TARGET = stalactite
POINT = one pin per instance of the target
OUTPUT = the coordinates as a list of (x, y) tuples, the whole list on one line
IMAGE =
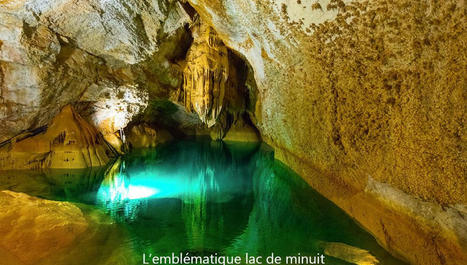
[(205, 74), (122, 135)]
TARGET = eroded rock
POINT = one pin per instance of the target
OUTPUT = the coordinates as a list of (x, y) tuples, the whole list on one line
[(205, 74), (34, 228), (359, 88), (51, 52), (349, 88), (111, 108), (143, 136), (68, 142), (242, 131), (118, 32)]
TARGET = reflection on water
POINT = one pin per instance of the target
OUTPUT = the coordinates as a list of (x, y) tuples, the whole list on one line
[(185, 196), (203, 197)]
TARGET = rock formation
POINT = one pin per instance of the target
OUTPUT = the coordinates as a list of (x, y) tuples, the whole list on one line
[(53, 52), (364, 99), (143, 136), (240, 131), (34, 228), (111, 108), (68, 142), (44, 232), (353, 91), (205, 74)]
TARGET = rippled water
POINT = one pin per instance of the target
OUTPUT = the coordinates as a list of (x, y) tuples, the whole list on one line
[(199, 197)]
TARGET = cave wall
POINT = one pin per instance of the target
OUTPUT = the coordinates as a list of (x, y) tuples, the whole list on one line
[(366, 100), (54, 53), (113, 61)]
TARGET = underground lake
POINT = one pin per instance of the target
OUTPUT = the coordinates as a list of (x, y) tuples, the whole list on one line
[(198, 198)]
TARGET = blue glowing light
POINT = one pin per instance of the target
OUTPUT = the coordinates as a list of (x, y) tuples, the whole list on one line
[(138, 192)]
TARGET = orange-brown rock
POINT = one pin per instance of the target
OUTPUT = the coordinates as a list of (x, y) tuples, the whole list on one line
[(143, 136), (32, 229), (361, 90), (68, 142), (36, 231), (205, 74), (241, 131)]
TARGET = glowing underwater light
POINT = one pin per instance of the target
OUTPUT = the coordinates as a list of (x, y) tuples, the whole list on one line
[(122, 192), (138, 192)]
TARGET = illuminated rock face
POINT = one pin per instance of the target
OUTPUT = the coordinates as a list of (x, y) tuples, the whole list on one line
[(53, 52), (362, 90), (33, 228), (69, 142), (375, 93), (205, 74), (110, 108)]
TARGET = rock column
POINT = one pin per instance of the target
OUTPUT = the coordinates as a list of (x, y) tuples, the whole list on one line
[(205, 74)]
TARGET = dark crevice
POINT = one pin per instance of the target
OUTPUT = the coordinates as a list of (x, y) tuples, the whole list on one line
[(189, 9), (180, 51), (23, 135)]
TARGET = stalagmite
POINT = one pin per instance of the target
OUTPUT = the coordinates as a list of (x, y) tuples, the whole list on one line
[(68, 142), (205, 74)]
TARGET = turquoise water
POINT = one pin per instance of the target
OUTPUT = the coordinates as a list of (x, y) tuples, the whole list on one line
[(202, 198)]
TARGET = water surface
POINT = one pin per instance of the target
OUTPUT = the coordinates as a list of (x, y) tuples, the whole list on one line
[(199, 197)]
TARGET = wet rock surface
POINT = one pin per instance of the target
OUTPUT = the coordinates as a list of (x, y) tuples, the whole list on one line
[(46, 232), (34, 228), (144, 136), (68, 142), (242, 131)]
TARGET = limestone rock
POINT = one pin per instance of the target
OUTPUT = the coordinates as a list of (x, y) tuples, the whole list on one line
[(316, 104), (40, 74), (205, 74), (110, 109), (349, 253), (351, 89), (113, 30), (23, 64), (359, 88), (51, 52), (68, 142), (242, 131), (34, 228), (143, 136)]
